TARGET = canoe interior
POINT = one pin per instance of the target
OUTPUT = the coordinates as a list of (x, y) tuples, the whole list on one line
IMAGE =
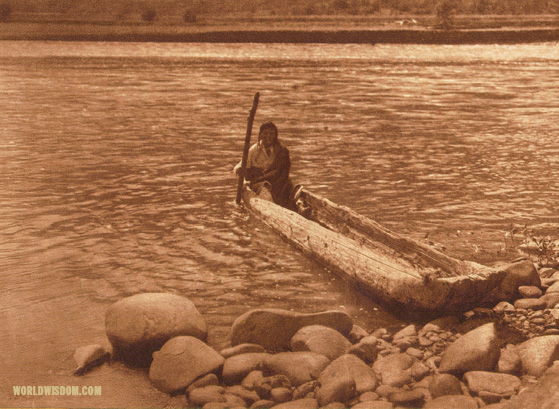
[(393, 269)]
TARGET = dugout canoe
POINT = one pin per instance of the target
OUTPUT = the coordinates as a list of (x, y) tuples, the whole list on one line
[(392, 269)]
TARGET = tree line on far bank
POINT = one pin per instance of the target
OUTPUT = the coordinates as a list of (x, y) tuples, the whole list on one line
[(190, 10)]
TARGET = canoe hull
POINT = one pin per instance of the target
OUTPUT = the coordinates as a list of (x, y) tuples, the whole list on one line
[(379, 271)]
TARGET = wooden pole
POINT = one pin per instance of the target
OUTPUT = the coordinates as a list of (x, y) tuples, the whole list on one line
[(246, 147)]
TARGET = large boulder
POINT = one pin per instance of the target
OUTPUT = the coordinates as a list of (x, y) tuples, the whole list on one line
[(299, 367), (521, 273), (181, 361), (274, 328), (349, 366), (139, 325), (538, 353), (477, 350), (320, 339)]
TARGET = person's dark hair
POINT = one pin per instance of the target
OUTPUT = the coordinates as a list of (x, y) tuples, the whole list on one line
[(269, 125)]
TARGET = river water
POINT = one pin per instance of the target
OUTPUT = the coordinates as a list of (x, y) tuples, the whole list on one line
[(115, 179)]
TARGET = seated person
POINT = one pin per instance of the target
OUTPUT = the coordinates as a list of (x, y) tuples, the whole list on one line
[(268, 164)]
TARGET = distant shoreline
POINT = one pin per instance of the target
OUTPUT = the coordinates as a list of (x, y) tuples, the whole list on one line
[(408, 36)]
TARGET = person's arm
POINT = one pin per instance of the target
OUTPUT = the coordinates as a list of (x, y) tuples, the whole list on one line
[(279, 170)]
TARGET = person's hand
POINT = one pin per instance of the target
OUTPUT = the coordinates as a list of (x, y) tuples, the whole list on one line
[(238, 171)]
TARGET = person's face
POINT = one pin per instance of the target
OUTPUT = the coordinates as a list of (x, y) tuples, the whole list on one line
[(268, 137)]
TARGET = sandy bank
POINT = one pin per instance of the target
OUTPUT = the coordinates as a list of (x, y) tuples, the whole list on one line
[(361, 36)]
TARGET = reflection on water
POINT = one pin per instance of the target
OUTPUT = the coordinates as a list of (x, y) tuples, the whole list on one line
[(115, 172)]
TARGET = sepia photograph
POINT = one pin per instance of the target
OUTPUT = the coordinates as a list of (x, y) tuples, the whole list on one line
[(257, 204)]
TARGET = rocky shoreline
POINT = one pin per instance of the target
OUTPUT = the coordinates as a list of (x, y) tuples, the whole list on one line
[(500, 357)]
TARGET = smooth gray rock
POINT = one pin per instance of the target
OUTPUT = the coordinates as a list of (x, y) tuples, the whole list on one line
[(349, 366), (477, 350), (139, 325), (299, 367), (274, 328), (237, 367), (537, 354), (181, 361), (529, 291), (413, 398), (320, 339)]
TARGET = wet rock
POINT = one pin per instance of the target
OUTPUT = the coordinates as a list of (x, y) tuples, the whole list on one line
[(139, 325), (237, 367), (529, 291), (475, 350), (538, 353), (349, 366), (274, 328), (509, 361), (246, 395), (543, 394), (366, 349), (413, 398), (298, 404), (530, 304), (320, 339), (90, 356), (521, 273), (444, 384), (492, 386), (394, 369), (181, 361), (299, 367), (337, 389), (242, 349), (452, 401), (211, 393), (356, 334)]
